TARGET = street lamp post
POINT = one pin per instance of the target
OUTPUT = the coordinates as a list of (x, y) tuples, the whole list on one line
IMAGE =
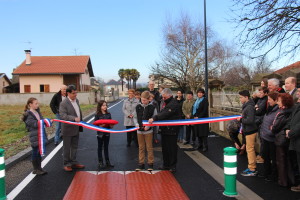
[(205, 50)]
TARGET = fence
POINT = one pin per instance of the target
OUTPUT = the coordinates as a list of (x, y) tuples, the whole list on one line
[(226, 101)]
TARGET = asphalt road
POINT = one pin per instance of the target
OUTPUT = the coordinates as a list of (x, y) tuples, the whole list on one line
[(194, 180)]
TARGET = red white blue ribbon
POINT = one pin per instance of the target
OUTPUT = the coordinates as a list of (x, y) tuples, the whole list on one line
[(190, 121), (96, 128), (42, 137), (155, 123)]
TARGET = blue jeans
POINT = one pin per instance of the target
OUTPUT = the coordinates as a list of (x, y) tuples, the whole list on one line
[(181, 132), (57, 129), (35, 153)]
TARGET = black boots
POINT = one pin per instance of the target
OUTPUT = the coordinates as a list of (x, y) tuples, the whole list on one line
[(108, 164), (101, 165), (37, 169)]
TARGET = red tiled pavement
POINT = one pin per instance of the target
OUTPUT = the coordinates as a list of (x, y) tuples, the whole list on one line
[(125, 185)]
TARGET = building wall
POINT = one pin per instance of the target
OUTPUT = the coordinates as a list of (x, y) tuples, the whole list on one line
[(43, 98), (54, 82), (3, 83), (85, 80)]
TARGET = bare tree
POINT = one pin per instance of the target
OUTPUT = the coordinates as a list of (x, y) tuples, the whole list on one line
[(269, 26), (182, 57), (238, 75), (262, 66)]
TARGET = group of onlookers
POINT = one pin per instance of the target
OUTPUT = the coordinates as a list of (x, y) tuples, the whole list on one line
[(271, 118), (166, 107)]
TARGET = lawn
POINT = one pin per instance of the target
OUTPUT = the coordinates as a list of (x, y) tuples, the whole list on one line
[(13, 134)]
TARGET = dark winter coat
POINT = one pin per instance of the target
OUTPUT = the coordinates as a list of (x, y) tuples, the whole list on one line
[(32, 126), (144, 113), (280, 123), (171, 111), (265, 128), (294, 127), (103, 116), (55, 101), (181, 104), (261, 109), (248, 118), (201, 112), (156, 94)]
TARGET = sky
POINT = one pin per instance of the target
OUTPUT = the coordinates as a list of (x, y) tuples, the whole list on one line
[(115, 34)]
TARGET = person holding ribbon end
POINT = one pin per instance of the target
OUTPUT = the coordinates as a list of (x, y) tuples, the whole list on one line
[(103, 137), (170, 111), (69, 110), (32, 117)]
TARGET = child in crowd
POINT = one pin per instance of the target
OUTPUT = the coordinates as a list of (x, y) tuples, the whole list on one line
[(145, 111), (249, 129), (103, 137), (233, 127), (31, 118), (137, 95)]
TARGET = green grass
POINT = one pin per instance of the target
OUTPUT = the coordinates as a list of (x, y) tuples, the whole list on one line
[(13, 134)]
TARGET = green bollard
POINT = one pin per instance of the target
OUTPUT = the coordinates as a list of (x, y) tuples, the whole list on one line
[(2, 176), (230, 171)]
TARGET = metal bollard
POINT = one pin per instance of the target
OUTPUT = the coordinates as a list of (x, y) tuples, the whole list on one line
[(2, 176), (230, 171)]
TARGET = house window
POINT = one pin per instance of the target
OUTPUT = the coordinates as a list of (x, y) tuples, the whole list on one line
[(44, 88), (27, 88)]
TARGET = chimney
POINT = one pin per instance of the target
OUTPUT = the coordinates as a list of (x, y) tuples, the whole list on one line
[(28, 57)]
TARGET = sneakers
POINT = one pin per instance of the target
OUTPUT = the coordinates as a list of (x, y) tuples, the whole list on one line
[(259, 159), (140, 167), (248, 172)]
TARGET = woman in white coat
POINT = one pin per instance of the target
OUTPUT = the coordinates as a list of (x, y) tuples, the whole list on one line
[(129, 111)]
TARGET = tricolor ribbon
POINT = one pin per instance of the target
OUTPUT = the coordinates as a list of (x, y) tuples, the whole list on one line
[(42, 137), (190, 121), (96, 128)]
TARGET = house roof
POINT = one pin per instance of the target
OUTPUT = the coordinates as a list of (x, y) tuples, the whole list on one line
[(113, 82), (55, 65), (287, 68), (3, 75)]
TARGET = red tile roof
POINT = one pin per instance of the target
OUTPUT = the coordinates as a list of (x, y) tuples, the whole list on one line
[(289, 67), (54, 65)]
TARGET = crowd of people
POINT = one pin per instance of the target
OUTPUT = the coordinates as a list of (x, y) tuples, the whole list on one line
[(270, 118), (154, 105)]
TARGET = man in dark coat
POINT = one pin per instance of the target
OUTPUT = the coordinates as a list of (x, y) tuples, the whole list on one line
[(54, 105), (290, 87), (293, 132), (154, 92), (69, 110), (170, 111)]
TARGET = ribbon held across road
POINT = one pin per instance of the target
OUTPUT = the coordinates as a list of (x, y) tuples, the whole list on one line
[(190, 121), (47, 122)]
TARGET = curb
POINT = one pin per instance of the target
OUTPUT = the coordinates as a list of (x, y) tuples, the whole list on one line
[(26, 152)]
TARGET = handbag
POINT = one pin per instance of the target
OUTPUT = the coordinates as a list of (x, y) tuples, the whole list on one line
[(280, 139)]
